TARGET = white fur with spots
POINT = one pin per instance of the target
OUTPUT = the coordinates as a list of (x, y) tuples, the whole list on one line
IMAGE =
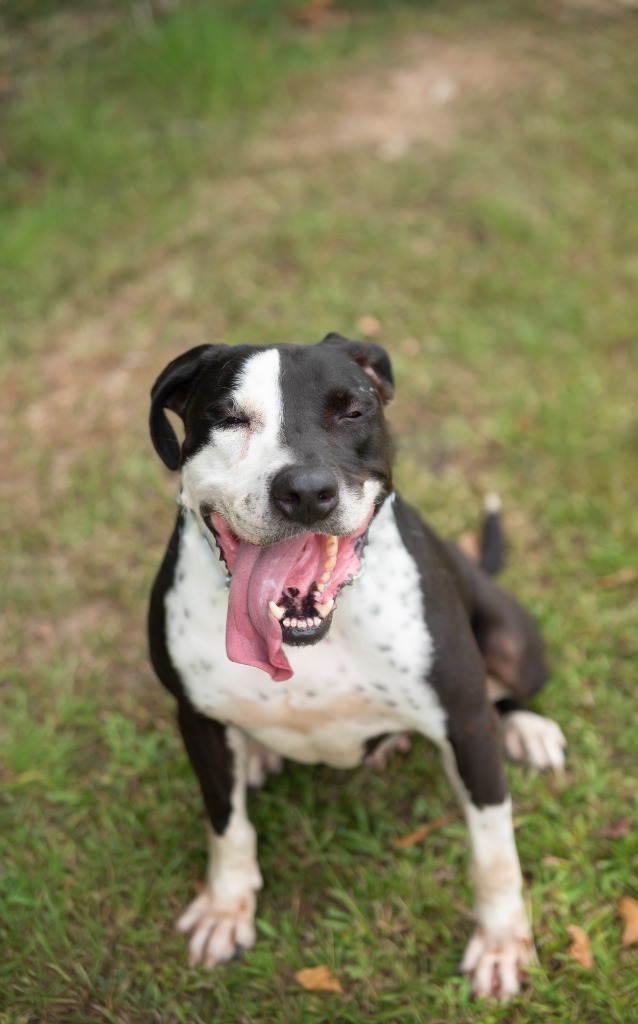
[(365, 678)]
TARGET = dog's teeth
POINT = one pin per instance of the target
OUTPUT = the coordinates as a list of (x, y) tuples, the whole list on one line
[(293, 622), (325, 609), (276, 610), (287, 622), (332, 545), (325, 577), (301, 624), (320, 589), (317, 620), (330, 564)]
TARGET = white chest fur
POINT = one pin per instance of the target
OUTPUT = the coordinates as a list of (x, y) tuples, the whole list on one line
[(367, 677)]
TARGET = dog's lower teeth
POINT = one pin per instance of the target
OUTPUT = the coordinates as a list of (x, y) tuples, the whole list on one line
[(317, 620), (287, 622)]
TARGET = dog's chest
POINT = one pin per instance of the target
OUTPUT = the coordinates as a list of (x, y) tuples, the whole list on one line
[(366, 678)]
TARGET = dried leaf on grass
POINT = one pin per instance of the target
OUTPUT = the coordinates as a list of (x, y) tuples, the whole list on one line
[(615, 829), (423, 832), (318, 979), (628, 910), (313, 14), (369, 326), (580, 948), (621, 578)]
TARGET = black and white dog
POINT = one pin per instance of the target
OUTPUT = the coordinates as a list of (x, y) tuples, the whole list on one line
[(286, 490)]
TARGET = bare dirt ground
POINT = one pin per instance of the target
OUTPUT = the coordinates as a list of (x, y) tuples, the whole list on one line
[(424, 93), (421, 94)]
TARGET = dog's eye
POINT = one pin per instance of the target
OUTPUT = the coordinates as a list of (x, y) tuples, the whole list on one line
[(232, 421), (353, 414), (226, 417)]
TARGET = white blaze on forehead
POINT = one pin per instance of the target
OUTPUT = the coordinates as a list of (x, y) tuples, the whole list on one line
[(232, 472), (258, 393)]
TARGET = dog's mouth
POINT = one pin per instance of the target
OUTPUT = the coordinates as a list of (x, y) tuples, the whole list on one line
[(283, 593)]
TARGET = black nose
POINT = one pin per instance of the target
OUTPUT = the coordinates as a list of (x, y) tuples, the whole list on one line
[(305, 494)]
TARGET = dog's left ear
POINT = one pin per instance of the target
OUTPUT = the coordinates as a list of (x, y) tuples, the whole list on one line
[(171, 391), (373, 359)]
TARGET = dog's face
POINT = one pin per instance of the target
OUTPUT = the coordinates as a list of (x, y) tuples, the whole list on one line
[(286, 449)]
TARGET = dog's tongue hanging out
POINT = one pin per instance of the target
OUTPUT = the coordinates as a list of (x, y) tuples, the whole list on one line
[(262, 575), (259, 575)]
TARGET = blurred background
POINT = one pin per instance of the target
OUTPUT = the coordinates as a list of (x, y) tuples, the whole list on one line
[(457, 181)]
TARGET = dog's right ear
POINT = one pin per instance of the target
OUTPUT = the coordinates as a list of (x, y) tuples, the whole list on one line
[(171, 391), (372, 359)]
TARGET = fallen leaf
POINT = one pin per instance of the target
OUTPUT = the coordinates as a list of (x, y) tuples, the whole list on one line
[(421, 833), (369, 326), (318, 979), (555, 862), (580, 949), (314, 14), (618, 579), (615, 829), (628, 910)]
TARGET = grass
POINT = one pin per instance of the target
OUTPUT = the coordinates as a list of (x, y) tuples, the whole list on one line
[(502, 266)]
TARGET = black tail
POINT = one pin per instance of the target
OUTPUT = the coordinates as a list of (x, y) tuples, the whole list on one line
[(492, 557)]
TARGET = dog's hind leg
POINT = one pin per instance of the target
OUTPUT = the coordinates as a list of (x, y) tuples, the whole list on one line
[(512, 648), (262, 762), (530, 738), (221, 920)]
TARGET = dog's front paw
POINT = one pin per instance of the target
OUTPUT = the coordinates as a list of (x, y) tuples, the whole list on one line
[(496, 963), (219, 927)]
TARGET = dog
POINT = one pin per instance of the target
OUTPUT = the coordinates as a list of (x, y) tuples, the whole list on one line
[(279, 642)]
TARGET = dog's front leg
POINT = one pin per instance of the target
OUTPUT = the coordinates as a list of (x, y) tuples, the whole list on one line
[(221, 920), (502, 946)]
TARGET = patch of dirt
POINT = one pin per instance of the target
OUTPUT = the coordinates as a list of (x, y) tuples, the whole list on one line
[(92, 372), (421, 97), (605, 7)]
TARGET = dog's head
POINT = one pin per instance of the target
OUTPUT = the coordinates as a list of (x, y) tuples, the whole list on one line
[(285, 459)]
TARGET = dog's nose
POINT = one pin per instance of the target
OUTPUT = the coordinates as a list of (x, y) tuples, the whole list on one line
[(305, 494)]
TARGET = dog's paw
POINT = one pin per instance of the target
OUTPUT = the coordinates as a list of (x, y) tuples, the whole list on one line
[(534, 740), (380, 757), (261, 763), (220, 928), (496, 963)]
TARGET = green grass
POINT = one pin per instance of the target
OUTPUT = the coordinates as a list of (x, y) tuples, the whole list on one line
[(502, 265)]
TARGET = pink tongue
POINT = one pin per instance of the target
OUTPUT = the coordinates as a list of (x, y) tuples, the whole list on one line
[(253, 635)]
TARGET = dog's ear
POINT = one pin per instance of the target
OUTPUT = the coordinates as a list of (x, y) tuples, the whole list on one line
[(373, 359), (171, 391)]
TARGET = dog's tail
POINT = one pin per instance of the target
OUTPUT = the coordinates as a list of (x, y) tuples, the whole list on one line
[(492, 549)]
